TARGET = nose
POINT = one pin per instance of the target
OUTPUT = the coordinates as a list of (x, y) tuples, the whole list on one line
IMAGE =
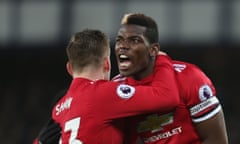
[(121, 42), (122, 46), (122, 49)]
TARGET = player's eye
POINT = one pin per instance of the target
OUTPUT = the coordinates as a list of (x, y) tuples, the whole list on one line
[(135, 40), (118, 40)]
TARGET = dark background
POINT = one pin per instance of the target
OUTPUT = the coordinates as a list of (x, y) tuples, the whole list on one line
[(33, 42)]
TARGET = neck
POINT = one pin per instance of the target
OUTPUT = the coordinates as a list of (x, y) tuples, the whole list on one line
[(89, 73), (144, 72)]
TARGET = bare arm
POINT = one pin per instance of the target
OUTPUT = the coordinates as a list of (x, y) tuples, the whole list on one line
[(213, 130)]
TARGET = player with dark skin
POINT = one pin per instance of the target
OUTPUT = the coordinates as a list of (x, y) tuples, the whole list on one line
[(134, 45), (89, 65), (93, 106), (134, 41)]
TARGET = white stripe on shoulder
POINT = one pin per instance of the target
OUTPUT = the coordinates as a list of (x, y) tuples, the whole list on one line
[(209, 115), (179, 67), (118, 78)]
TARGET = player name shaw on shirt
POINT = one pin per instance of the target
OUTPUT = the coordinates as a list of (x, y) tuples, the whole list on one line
[(63, 106)]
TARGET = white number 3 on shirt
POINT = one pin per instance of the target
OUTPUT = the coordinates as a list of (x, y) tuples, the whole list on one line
[(73, 126)]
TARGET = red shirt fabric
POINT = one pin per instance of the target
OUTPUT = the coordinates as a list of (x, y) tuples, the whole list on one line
[(92, 112), (198, 102)]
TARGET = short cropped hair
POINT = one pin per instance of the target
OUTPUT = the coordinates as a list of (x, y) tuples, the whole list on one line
[(87, 47), (142, 20)]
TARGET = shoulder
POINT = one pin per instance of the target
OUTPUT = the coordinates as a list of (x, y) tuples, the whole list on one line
[(112, 90), (197, 91), (104, 86), (192, 81), (163, 59), (189, 71), (181, 65)]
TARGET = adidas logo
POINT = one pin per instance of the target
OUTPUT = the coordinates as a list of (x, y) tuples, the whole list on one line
[(179, 67)]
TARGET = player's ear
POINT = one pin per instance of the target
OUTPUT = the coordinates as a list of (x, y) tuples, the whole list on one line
[(106, 68), (69, 68), (154, 49), (107, 64)]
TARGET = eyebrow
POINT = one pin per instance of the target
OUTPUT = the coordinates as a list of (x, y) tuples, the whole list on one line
[(133, 36)]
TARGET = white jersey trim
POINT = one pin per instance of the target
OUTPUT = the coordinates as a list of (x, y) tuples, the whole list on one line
[(212, 106), (211, 114), (119, 79), (203, 105), (179, 67)]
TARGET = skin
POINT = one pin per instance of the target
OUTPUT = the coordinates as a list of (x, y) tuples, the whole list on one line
[(131, 42), (213, 130)]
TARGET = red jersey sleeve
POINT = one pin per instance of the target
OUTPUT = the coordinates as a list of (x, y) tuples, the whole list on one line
[(197, 91), (35, 141), (128, 100)]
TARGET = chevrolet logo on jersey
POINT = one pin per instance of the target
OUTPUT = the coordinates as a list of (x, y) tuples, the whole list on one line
[(155, 122)]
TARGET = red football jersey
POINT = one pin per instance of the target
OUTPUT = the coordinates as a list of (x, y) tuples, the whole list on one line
[(91, 111), (198, 103)]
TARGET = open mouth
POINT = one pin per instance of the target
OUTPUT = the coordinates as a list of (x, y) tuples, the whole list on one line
[(124, 61)]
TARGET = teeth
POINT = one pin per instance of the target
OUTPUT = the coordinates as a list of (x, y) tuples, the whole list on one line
[(123, 56), (124, 64)]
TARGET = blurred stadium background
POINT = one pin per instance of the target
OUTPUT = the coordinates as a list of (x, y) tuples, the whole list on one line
[(34, 34)]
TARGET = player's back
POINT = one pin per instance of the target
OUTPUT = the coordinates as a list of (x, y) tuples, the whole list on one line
[(80, 115)]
